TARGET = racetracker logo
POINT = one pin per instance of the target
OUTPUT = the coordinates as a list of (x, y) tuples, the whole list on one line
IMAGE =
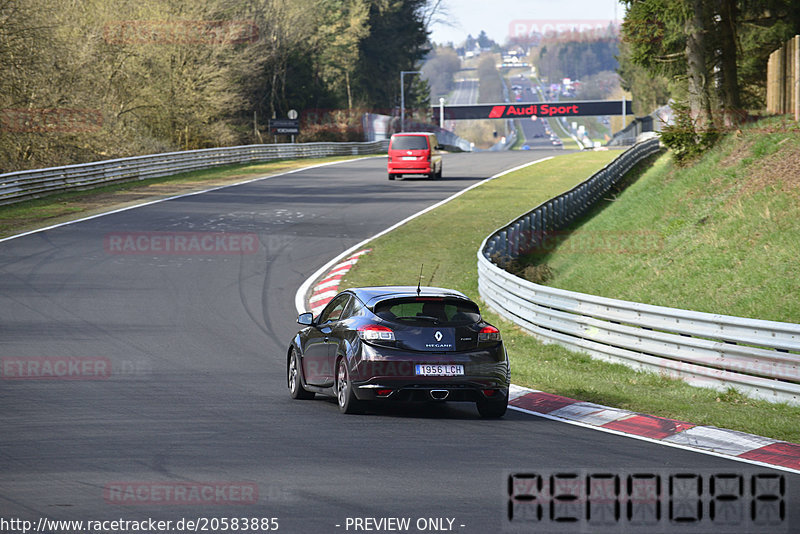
[(181, 493), (588, 242), (56, 368), (50, 120), (181, 32), (180, 243), (597, 28)]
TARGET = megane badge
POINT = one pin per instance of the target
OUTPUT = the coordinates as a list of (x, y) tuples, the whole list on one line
[(438, 335)]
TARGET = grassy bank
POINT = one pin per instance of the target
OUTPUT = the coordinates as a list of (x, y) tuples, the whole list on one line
[(63, 207), (721, 236), (448, 252)]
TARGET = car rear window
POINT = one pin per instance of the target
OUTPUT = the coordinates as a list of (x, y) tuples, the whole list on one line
[(410, 142), (429, 310)]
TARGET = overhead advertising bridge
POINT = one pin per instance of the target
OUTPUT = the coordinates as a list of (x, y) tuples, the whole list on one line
[(588, 108)]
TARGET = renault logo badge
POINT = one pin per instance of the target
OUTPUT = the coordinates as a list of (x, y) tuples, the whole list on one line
[(438, 335)]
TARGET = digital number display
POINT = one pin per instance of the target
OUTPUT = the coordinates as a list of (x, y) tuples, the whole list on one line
[(646, 501)]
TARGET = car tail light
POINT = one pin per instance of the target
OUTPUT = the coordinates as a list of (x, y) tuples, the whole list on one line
[(489, 392), (375, 332), (489, 333), (384, 392)]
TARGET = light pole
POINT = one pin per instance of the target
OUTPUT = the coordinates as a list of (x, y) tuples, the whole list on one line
[(441, 113), (403, 97)]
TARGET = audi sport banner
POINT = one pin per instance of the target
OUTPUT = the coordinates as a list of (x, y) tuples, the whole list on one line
[(540, 109)]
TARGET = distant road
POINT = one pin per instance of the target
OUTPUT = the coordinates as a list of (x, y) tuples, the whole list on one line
[(465, 93), (533, 131)]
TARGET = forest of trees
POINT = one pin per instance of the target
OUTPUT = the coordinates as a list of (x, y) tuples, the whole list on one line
[(576, 57), (709, 55), (94, 79), (439, 71)]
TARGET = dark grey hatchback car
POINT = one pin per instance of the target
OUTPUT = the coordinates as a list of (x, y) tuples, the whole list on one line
[(382, 344)]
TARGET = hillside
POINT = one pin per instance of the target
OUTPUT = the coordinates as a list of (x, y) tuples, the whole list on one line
[(719, 236)]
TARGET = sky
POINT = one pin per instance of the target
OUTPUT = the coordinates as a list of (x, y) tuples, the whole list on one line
[(501, 18)]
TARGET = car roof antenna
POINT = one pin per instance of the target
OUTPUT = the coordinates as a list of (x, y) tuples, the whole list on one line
[(419, 280)]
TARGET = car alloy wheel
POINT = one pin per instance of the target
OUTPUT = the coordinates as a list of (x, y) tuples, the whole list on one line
[(344, 390), (296, 388)]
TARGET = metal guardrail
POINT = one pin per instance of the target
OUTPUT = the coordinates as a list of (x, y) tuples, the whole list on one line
[(23, 185), (446, 138), (758, 357)]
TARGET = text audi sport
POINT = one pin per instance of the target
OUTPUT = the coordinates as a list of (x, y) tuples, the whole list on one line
[(399, 343)]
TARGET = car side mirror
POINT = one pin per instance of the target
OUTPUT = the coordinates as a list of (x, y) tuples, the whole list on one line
[(306, 319)]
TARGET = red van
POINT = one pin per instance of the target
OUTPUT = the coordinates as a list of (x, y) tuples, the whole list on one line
[(415, 153)]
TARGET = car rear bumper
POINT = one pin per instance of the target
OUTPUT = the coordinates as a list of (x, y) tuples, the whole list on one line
[(379, 370), (410, 167), (410, 392)]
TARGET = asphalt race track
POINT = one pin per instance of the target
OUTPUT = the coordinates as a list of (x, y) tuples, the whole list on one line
[(533, 131), (177, 378)]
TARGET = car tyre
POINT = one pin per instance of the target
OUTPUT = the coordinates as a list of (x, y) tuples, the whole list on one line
[(296, 389), (391, 176), (439, 174), (345, 397), (492, 409)]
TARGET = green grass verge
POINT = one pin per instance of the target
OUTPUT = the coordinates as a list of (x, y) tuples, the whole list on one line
[(721, 235), (446, 241), (62, 207)]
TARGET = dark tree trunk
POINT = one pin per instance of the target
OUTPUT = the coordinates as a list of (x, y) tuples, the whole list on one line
[(699, 101), (728, 50)]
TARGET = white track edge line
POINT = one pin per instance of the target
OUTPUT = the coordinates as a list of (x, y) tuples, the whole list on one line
[(181, 195), (653, 440)]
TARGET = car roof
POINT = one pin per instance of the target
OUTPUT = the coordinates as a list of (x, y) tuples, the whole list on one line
[(399, 134), (373, 295)]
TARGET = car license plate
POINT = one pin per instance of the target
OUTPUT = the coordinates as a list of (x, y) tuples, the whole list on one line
[(409, 158), (439, 370)]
